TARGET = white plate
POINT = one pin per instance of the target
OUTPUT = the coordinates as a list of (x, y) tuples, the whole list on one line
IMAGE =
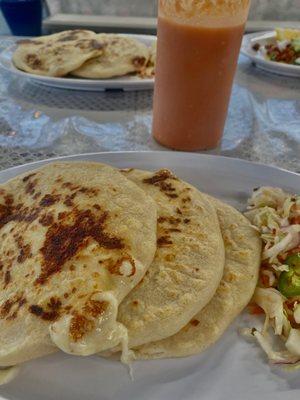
[(270, 66), (127, 83), (232, 369)]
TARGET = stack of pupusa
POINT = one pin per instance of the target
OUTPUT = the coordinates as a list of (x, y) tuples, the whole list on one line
[(83, 53), (94, 259), (203, 274)]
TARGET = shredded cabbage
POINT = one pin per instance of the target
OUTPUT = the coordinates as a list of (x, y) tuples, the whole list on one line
[(271, 301), (293, 342), (280, 268), (267, 196), (276, 357), (276, 215), (290, 241)]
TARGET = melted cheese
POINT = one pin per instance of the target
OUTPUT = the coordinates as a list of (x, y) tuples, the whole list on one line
[(127, 355), (106, 334)]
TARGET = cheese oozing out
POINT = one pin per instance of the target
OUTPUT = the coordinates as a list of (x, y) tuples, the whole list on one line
[(107, 331)]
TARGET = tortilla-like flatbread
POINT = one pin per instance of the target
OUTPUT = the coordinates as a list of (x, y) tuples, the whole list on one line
[(75, 238), (149, 70), (188, 263), (243, 254), (57, 54), (121, 55), (65, 36)]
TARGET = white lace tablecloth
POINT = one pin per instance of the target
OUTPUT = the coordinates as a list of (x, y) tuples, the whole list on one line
[(38, 122)]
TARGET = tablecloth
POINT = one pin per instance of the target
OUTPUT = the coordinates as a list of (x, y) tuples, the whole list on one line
[(38, 122)]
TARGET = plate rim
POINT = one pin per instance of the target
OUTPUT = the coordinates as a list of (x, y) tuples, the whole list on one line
[(82, 84), (160, 152), (279, 68)]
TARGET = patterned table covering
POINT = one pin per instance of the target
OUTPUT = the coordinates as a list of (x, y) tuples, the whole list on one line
[(38, 122)]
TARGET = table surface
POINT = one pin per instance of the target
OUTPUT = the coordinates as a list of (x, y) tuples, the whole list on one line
[(38, 122)]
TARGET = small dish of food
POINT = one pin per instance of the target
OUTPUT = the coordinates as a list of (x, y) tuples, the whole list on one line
[(276, 51)]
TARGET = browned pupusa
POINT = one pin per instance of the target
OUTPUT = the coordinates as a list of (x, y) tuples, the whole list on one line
[(121, 55), (188, 263), (75, 238), (242, 261), (57, 54)]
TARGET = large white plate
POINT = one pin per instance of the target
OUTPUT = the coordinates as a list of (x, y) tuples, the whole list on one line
[(128, 82), (259, 61), (232, 369)]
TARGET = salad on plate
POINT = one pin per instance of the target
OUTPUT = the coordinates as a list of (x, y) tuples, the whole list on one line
[(276, 215), (284, 48)]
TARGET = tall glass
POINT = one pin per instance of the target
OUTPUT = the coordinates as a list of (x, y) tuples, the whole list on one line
[(24, 17), (197, 51)]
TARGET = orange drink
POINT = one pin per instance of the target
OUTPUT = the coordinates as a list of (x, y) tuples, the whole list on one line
[(197, 52)]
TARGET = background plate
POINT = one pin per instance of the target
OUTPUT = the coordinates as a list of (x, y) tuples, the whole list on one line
[(232, 369), (259, 61), (129, 82)]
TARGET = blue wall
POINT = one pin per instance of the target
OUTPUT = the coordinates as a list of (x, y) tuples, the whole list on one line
[(4, 30)]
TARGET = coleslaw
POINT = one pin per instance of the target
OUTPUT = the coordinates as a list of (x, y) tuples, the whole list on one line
[(276, 214)]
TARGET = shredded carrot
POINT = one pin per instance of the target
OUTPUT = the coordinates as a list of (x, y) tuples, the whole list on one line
[(265, 280), (295, 220), (282, 257), (293, 251), (290, 304), (254, 309)]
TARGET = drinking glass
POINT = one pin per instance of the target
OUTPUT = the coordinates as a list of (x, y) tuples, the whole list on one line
[(197, 52), (24, 17)]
